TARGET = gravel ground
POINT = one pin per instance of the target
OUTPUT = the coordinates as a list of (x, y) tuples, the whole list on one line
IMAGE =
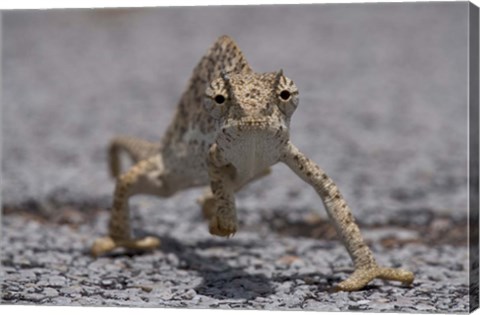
[(383, 110), (255, 270)]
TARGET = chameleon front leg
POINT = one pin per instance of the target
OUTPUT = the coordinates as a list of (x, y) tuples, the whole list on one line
[(366, 268), (223, 220), (207, 200), (143, 177)]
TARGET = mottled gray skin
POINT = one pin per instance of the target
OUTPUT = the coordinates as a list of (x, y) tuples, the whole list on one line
[(231, 125)]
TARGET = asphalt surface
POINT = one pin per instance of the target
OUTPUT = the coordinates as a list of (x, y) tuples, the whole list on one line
[(383, 110)]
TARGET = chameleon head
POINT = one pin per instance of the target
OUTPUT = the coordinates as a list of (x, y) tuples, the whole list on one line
[(259, 102)]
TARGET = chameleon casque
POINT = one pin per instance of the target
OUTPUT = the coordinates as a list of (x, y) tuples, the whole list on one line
[(231, 126)]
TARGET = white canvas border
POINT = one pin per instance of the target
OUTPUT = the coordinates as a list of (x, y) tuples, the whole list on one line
[(46, 4)]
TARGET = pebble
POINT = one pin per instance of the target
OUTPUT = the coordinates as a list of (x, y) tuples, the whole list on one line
[(53, 281), (190, 294), (173, 259), (34, 297), (61, 300), (162, 293), (424, 307), (107, 282), (49, 292), (72, 289)]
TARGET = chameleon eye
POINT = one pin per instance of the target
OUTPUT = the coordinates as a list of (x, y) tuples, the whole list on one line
[(219, 99), (285, 95)]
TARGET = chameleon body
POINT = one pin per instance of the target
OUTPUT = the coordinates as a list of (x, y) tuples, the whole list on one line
[(231, 125)]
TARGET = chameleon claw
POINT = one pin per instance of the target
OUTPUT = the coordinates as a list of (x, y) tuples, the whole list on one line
[(106, 245), (362, 276)]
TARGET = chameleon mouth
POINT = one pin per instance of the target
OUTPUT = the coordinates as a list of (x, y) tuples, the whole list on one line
[(253, 123)]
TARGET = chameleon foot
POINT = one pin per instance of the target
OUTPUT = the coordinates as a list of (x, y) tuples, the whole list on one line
[(362, 276), (106, 244), (222, 226)]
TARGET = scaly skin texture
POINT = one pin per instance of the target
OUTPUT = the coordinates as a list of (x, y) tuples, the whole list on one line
[(231, 125)]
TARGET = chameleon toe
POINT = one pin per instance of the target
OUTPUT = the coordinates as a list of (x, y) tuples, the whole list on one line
[(102, 245)]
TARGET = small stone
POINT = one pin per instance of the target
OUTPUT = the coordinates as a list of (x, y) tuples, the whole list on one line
[(57, 281), (72, 290), (425, 307), (49, 292), (173, 259), (8, 270), (34, 297), (13, 288), (190, 294), (287, 260), (31, 289), (162, 293), (61, 300), (107, 282), (23, 263), (28, 275), (145, 288), (10, 296)]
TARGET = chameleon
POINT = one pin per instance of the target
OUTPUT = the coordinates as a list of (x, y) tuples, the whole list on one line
[(231, 125)]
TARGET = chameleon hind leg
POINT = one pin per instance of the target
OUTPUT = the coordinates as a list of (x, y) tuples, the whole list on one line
[(137, 150), (145, 177)]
